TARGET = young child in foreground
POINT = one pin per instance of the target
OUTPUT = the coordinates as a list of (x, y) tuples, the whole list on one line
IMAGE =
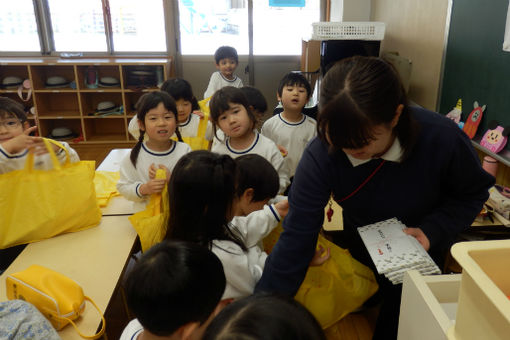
[(226, 62), (16, 142), (174, 290), (156, 118)]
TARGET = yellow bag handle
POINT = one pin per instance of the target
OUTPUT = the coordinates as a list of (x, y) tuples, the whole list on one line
[(29, 164), (103, 323)]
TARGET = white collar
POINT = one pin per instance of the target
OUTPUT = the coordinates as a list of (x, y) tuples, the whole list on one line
[(394, 154)]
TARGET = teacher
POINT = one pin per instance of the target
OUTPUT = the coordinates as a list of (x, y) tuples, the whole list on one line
[(379, 158)]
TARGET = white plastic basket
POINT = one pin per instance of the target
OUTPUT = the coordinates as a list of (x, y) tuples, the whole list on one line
[(348, 30)]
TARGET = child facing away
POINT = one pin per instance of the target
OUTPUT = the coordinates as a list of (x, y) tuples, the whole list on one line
[(16, 142), (231, 113), (196, 130), (291, 129), (257, 104), (264, 316), (157, 118), (204, 198), (226, 62), (174, 290)]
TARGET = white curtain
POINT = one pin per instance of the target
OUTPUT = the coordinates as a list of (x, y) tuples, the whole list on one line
[(506, 42)]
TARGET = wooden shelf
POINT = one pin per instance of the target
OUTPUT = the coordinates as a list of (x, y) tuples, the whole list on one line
[(72, 105)]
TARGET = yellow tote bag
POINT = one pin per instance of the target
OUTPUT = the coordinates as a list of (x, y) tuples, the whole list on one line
[(150, 224), (39, 204), (334, 289), (105, 183)]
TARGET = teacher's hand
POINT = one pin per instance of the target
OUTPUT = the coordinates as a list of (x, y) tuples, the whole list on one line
[(418, 234)]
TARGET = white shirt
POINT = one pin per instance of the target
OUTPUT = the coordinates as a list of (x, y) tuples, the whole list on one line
[(394, 154), (132, 178), (262, 146), (187, 129), (10, 162), (243, 269), (217, 81), (292, 136), (132, 330)]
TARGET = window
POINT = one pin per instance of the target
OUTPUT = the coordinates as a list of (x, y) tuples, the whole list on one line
[(18, 27), (278, 26), (138, 25), (206, 25), (78, 25)]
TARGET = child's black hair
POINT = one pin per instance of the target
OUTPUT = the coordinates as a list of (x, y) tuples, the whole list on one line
[(255, 98), (255, 172), (146, 103), (172, 284), (201, 195), (263, 316), (10, 108), (226, 52), (221, 100), (294, 79), (180, 88)]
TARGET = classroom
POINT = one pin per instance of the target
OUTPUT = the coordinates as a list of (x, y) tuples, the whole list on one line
[(254, 169)]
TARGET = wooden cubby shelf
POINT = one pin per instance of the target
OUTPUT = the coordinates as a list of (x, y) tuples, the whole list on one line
[(74, 105)]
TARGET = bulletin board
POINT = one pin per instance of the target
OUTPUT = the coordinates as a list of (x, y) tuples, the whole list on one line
[(476, 67)]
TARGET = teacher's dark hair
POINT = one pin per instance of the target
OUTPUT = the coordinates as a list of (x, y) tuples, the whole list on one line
[(357, 94)]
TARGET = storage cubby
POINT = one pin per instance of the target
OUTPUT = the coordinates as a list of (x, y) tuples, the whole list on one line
[(46, 126), (57, 105), (40, 75), (105, 129), (74, 105)]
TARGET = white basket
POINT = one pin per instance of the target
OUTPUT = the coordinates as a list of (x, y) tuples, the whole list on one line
[(348, 30)]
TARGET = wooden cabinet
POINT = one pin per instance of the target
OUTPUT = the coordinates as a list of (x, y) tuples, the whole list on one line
[(75, 104)]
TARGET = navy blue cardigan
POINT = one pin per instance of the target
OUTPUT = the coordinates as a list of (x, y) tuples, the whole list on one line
[(439, 188)]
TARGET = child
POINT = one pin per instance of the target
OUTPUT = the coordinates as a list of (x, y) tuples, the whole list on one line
[(226, 62), (257, 104), (291, 129), (174, 290), (16, 142), (230, 112), (203, 200), (156, 117), (268, 317), (196, 130)]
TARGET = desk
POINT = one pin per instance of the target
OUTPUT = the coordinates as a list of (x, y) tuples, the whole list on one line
[(112, 161), (95, 258)]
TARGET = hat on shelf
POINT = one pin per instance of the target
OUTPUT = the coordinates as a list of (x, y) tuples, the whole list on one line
[(62, 133), (109, 82), (11, 81), (56, 81), (107, 108)]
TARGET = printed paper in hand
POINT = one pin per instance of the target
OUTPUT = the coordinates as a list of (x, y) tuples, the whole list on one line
[(395, 252)]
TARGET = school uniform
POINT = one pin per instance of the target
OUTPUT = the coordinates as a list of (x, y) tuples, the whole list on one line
[(262, 146), (244, 268), (132, 178), (133, 329), (293, 136), (11, 162), (439, 188), (218, 81)]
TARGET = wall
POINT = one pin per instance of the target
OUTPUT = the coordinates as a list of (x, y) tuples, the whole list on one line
[(416, 29)]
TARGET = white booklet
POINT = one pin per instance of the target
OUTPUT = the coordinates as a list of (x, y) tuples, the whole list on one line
[(394, 252)]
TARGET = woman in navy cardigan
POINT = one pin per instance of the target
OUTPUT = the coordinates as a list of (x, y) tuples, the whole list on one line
[(424, 172)]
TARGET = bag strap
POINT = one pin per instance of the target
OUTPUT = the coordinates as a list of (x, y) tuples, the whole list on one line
[(103, 323), (362, 184), (29, 164)]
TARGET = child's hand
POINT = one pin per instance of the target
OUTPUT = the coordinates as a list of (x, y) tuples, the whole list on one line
[(39, 148), (283, 151), (282, 207), (199, 113), (154, 186), (152, 171), (22, 142), (319, 258)]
